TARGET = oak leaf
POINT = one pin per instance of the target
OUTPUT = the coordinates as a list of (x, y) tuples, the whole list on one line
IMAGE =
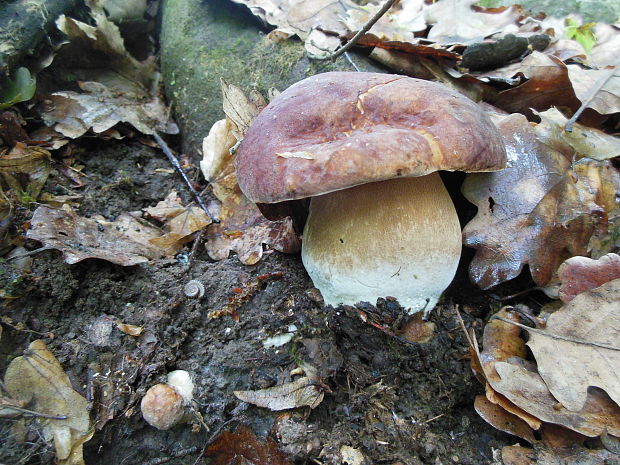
[(580, 274), (543, 208), (581, 344)]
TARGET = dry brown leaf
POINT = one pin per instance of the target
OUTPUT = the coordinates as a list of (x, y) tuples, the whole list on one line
[(581, 274), (457, 22), (243, 229), (72, 114), (124, 242), (521, 388), (585, 141), (502, 420), (168, 208), (547, 85), (179, 229), (241, 109), (131, 330), (243, 448), (10, 408), (37, 379), (606, 100), (588, 353), (299, 393), (518, 455), (545, 207), (117, 87), (23, 172)]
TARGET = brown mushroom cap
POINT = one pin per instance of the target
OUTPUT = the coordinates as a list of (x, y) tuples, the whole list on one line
[(337, 130)]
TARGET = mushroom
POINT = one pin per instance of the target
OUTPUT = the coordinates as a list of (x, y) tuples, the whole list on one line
[(164, 405), (367, 147)]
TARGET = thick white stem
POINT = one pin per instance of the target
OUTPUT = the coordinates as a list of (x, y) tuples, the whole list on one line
[(398, 238)]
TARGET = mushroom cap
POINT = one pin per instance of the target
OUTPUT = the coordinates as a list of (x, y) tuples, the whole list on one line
[(336, 130), (162, 406)]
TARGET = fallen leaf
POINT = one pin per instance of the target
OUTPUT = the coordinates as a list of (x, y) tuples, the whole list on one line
[(581, 274), (517, 380), (243, 448), (23, 172), (299, 393), (168, 208), (179, 229), (547, 84), (39, 380), (240, 108), (581, 342), (457, 22), (123, 242), (10, 408), (543, 208), (117, 87), (606, 98), (72, 114), (502, 420), (131, 330), (244, 230)]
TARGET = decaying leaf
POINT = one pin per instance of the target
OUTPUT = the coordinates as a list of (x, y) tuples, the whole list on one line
[(131, 330), (23, 172), (168, 208), (243, 448), (117, 87), (72, 114), (516, 379), (37, 379), (180, 228), (581, 343), (124, 242), (457, 22), (299, 393), (581, 274), (241, 109), (606, 99), (543, 208), (242, 228)]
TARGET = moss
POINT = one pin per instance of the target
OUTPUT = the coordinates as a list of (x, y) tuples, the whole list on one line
[(202, 42)]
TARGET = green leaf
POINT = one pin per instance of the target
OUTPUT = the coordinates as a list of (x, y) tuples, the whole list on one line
[(18, 89), (581, 33)]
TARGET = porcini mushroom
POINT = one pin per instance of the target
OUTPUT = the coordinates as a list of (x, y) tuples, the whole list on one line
[(367, 147)]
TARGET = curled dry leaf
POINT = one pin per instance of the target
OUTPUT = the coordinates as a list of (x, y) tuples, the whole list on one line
[(124, 242), (179, 230), (131, 330), (72, 114), (299, 393), (23, 172), (545, 207), (581, 343), (516, 379), (581, 274), (117, 87), (242, 228), (37, 379)]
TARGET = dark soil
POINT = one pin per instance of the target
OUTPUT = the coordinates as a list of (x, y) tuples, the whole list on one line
[(395, 402)]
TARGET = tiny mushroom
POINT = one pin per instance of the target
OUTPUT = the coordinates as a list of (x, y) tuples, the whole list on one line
[(367, 147), (164, 405)]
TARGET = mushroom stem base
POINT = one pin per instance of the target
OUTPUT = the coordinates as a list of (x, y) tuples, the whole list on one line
[(399, 238)]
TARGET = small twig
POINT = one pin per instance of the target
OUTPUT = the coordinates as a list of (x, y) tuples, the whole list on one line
[(32, 413), (177, 165), (32, 252), (557, 336), (346, 55), (596, 88), (350, 44)]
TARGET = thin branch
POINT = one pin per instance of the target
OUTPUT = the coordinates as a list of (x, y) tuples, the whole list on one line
[(177, 165), (557, 336), (351, 43), (32, 413), (596, 88)]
